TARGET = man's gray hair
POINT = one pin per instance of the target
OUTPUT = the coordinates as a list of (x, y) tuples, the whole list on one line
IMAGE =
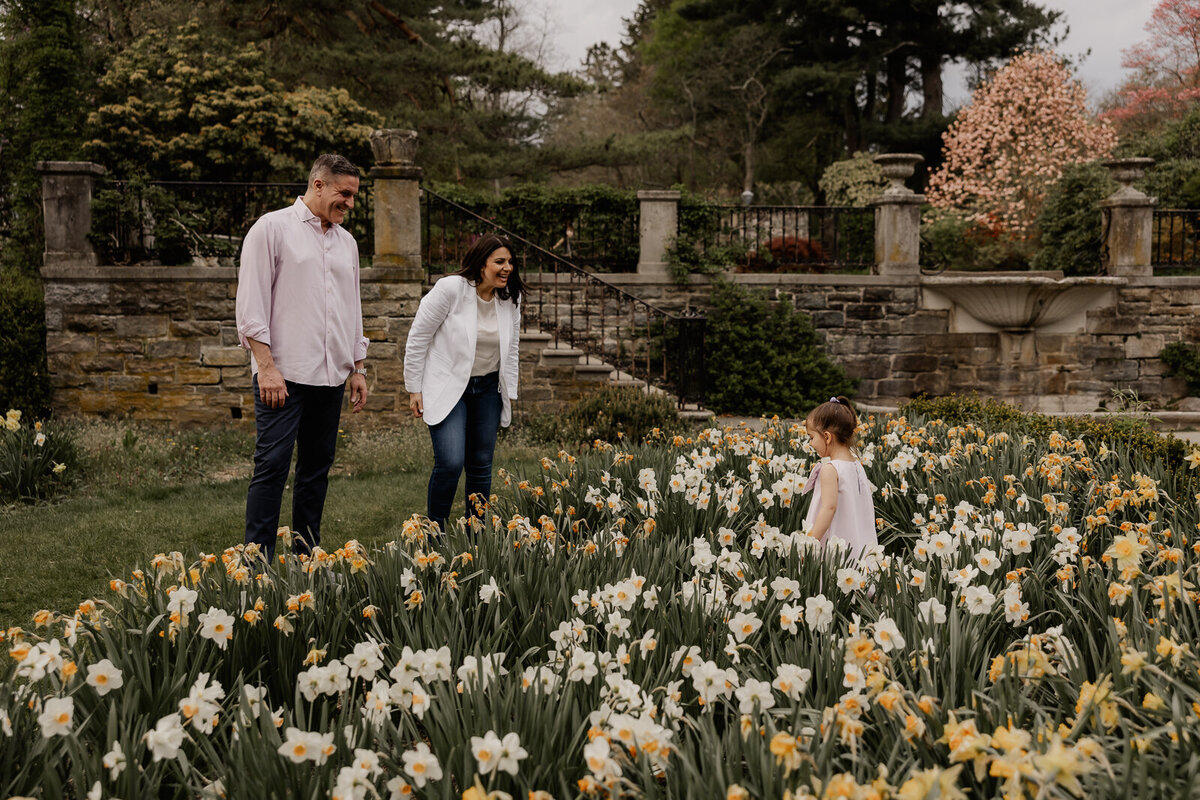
[(329, 164)]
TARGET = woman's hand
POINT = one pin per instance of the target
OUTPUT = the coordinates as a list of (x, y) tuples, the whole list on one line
[(416, 403)]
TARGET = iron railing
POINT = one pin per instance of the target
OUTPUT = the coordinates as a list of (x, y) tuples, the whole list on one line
[(197, 222), (782, 238), (1175, 241), (610, 326), (598, 239)]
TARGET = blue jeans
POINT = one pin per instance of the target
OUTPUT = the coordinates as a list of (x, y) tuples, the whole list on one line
[(465, 438), (307, 421)]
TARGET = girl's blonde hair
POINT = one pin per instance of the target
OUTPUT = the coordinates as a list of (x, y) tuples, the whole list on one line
[(836, 416)]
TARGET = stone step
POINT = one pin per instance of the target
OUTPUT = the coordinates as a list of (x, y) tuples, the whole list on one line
[(560, 356), (594, 373), (590, 370)]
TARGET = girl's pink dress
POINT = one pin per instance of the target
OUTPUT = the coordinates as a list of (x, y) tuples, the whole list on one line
[(854, 520)]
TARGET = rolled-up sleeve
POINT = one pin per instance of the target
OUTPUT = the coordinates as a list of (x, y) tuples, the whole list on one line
[(360, 346), (256, 274)]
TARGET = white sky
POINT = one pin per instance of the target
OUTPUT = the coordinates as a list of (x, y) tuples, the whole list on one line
[(1105, 26)]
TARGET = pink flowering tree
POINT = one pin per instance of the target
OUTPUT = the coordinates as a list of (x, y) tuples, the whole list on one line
[(1011, 143), (1166, 68)]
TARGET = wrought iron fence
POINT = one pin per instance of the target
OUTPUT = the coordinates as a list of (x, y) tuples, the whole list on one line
[(610, 326), (197, 222), (599, 234), (782, 238), (1175, 243)]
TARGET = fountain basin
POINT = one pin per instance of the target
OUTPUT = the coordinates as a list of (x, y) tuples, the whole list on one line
[(1018, 302)]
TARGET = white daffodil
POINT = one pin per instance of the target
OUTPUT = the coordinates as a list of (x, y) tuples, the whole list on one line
[(104, 677), (421, 765), (216, 625), (57, 716)]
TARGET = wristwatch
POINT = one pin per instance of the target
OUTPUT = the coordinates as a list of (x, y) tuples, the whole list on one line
[(360, 371)]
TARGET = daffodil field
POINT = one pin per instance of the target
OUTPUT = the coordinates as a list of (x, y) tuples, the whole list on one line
[(654, 622)]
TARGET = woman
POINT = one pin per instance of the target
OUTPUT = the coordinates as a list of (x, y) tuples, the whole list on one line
[(461, 367)]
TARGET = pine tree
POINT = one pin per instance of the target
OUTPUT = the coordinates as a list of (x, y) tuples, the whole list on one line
[(42, 58)]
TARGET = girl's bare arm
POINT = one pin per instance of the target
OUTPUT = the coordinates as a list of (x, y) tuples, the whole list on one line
[(829, 498)]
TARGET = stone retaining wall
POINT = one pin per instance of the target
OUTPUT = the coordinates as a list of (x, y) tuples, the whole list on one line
[(880, 330), (159, 343)]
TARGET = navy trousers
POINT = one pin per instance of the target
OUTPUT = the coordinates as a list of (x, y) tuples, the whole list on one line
[(465, 439), (308, 421)]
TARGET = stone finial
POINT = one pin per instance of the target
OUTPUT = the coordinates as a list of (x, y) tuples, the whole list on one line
[(393, 146), (1127, 171), (898, 167)]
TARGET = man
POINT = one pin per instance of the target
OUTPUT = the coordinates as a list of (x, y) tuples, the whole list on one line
[(300, 315)]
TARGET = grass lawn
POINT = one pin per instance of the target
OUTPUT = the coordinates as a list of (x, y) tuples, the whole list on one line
[(147, 490)]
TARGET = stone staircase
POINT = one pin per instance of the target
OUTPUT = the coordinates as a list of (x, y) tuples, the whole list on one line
[(554, 376)]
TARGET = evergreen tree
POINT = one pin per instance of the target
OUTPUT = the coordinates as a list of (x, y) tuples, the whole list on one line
[(42, 62), (844, 76)]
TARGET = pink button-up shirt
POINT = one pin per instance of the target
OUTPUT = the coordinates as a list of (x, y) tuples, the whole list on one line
[(298, 293)]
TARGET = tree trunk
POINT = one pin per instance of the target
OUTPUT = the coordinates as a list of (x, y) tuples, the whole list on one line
[(932, 90), (871, 98), (897, 86), (748, 177), (852, 138)]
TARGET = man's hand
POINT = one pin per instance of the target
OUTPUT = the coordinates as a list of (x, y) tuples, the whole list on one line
[(416, 403), (358, 392), (271, 386)]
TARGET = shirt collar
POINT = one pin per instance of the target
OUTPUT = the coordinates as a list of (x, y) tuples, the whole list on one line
[(305, 214)]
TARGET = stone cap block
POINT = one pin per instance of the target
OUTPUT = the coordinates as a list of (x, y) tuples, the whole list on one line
[(396, 172), (69, 168), (659, 194)]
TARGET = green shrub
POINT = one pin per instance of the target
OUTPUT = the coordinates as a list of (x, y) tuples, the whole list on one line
[(616, 413), (35, 460), (1070, 222), (1183, 361), (24, 382), (765, 358), (686, 256), (126, 219), (949, 240), (857, 181), (1175, 182)]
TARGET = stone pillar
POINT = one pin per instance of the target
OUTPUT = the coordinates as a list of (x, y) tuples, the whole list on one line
[(396, 197), (67, 211), (657, 229), (898, 218), (1130, 213)]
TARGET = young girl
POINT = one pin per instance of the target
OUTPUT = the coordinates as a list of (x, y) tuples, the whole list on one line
[(841, 505)]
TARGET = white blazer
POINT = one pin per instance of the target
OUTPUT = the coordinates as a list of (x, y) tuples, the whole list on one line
[(441, 348)]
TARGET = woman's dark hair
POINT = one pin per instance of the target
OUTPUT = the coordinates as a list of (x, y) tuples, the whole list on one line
[(838, 417), (476, 259)]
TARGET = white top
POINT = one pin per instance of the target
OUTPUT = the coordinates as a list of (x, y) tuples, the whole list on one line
[(854, 520), (297, 293), (487, 339)]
